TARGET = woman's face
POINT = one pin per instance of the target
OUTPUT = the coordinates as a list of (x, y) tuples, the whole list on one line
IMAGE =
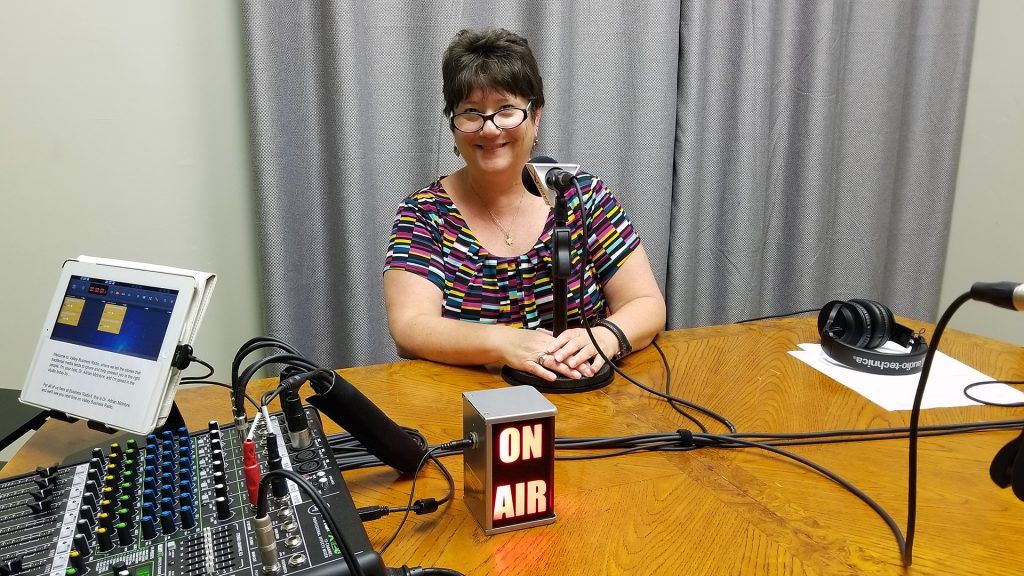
[(494, 150)]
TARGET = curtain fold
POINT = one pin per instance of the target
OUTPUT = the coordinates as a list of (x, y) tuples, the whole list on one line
[(772, 155)]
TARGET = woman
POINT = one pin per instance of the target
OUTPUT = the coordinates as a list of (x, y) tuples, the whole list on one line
[(468, 263)]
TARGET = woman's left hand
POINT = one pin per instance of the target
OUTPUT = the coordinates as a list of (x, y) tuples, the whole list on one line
[(575, 349)]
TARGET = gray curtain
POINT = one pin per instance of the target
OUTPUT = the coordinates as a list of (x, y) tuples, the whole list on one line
[(773, 155)]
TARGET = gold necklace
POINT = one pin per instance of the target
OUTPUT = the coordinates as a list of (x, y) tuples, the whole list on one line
[(506, 231)]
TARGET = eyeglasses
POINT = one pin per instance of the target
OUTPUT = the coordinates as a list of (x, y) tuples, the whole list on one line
[(504, 119)]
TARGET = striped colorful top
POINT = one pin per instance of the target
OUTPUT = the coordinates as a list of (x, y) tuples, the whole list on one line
[(431, 239)]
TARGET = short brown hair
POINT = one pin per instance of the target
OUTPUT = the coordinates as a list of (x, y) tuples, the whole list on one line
[(494, 59)]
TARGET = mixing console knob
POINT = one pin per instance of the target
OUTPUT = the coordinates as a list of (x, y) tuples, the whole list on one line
[(125, 515), (148, 496), (185, 486), (77, 561), (149, 509), (167, 466), (151, 461), (128, 481), (218, 464), (167, 435), (185, 474), (167, 449), (96, 464), (185, 452), (167, 491), (112, 491), (115, 449), (113, 469), (84, 528), (223, 508), (47, 482), (120, 569), (167, 522), (188, 518), (93, 487), (104, 540), (148, 528), (149, 485), (87, 514), (89, 499), (98, 454), (106, 520), (131, 458), (94, 475), (167, 505), (124, 534), (214, 444), (220, 491), (107, 506), (167, 478), (82, 545), (185, 499), (131, 444)]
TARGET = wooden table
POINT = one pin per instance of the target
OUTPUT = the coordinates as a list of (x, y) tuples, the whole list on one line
[(701, 512)]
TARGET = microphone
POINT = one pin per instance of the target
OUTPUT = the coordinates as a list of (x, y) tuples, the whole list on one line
[(545, 177), (1009, 295), (383, 438)]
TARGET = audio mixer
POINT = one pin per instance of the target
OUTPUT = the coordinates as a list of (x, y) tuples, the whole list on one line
[(181, 503)]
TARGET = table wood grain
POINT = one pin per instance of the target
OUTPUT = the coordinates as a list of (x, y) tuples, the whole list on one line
[(700, 512)]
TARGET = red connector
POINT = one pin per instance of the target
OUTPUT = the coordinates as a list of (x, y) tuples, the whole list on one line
[(252, 470)]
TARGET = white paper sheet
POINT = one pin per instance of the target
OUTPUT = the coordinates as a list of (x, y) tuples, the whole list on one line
[(946, 382)]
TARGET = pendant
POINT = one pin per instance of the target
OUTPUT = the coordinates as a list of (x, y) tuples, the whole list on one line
[(508, 239)]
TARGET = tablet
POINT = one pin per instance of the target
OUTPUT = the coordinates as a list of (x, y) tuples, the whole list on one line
[(107, 344)]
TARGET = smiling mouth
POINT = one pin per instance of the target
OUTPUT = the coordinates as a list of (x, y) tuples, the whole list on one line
[(489, 147)]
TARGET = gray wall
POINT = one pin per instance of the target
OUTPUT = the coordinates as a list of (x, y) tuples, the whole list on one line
[(123, 133), (984, 242)]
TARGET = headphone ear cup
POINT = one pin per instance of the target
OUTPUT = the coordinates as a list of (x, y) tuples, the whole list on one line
[(843, 322), (1005, 462), (881, 319), (859, 329)]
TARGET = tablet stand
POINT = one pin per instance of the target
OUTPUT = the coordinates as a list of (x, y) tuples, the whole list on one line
[(36, 421)]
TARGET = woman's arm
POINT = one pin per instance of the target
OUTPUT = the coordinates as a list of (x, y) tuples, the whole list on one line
[(414, 319), (637, 308)]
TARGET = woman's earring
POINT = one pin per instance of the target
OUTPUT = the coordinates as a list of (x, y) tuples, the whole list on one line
[(456, 148), (535, 143)]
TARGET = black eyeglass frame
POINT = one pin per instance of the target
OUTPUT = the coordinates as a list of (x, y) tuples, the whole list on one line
[(485, 117)]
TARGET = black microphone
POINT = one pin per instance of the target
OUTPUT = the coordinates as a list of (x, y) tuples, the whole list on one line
[(1009, 295), (381, 436), (555, 178)]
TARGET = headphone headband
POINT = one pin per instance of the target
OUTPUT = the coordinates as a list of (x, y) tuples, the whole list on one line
[(832, 332)]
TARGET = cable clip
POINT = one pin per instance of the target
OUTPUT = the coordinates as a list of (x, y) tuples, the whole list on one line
[(685, 438)]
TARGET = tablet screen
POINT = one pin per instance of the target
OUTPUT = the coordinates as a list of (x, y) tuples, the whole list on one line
[(113, 316)]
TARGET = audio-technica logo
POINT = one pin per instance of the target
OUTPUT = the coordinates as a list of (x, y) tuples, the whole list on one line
[(888, 364)]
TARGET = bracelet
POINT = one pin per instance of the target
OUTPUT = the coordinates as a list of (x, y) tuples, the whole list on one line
[(624, 347)]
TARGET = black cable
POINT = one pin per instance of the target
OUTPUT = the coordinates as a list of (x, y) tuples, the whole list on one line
[(835, 478), (412, 490), (584, 262), (262, 504), (986, 402), (186, 379), (786, 315), (915, 418)]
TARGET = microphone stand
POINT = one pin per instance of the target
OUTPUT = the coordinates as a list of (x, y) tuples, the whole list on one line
[(561, 270)]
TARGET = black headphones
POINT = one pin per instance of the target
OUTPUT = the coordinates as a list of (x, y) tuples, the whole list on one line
[(850, 330)]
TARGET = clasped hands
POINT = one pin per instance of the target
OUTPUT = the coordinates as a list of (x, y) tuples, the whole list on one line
[(571, 354)]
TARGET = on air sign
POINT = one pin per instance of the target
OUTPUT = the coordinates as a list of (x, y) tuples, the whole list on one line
[(509, 472)]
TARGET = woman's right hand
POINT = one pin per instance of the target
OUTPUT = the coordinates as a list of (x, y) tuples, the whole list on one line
[(526, 350)]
